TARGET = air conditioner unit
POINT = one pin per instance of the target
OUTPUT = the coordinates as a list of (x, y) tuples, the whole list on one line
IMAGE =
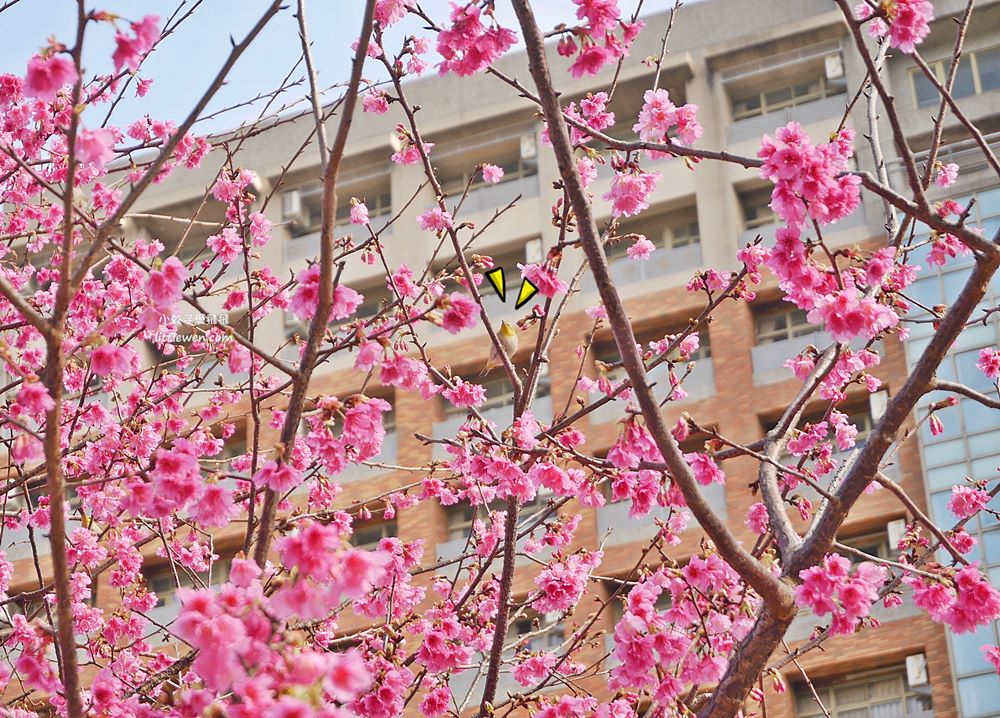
[(291, 203), (877, 404), (533, 251), (895, 530), (916, 670), (529, 148), (293, 210), (834, 65)]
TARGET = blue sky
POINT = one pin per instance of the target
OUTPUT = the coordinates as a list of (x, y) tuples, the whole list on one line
[(184, 63)]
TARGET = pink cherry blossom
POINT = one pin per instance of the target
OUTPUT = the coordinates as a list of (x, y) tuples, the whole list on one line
[(492, 173), (129, 50), (34, 399), (629, 194), (757, 518), (989, 362), (460, 313), (546, 280), (375, 101), (706, 471), (966, 501), (591, 60), (642, 248), (359, 213), (992, 654), (164, 285), (345, 302), (465, 394), (945, 175), (278, 477), (95, 147), (227, 244), (47, 75), (111, 360), (562, 584), (468, 46), (435, 219)]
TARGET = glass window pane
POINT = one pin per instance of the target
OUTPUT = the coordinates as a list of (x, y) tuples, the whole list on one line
[(989, 69), (927, 291), (984, 444), (888, 709), (979, 695), (944, 453), (964, 84), (780, 95), (945, 477), (851, 695), (965, 650), (991, 544), (924, 92), (888, 686), (977, 416), (989, 201)]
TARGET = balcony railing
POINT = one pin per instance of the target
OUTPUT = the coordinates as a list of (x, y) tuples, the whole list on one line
[(804, 114), (624, 529), (307, 245), (496, 196), (768, 359), (699, 384), (625, 270)]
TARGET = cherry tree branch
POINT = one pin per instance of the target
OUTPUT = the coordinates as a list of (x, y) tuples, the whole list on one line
[(753, 571), (957, 388), (318, 326)]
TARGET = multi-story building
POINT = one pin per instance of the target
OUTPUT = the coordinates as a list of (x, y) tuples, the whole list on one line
[(751, 66)]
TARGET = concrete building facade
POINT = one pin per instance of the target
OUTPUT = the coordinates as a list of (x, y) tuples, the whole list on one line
[(751, 66)]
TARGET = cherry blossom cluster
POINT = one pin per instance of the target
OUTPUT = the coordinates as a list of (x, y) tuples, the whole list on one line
[(595, 42), (904, 22)]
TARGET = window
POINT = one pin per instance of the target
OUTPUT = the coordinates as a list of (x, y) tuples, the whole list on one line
[(782, 324), (756, 207), (970, 442), (164, 582), (978, 72), (761, 102), (607, 354), (875, 544), (455, 184), (535, 631), (368, 535), (302, 208), (671, 231), (875, 696)]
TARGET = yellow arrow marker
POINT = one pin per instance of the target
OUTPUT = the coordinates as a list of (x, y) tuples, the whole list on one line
[(497, 280), (528, 290)]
